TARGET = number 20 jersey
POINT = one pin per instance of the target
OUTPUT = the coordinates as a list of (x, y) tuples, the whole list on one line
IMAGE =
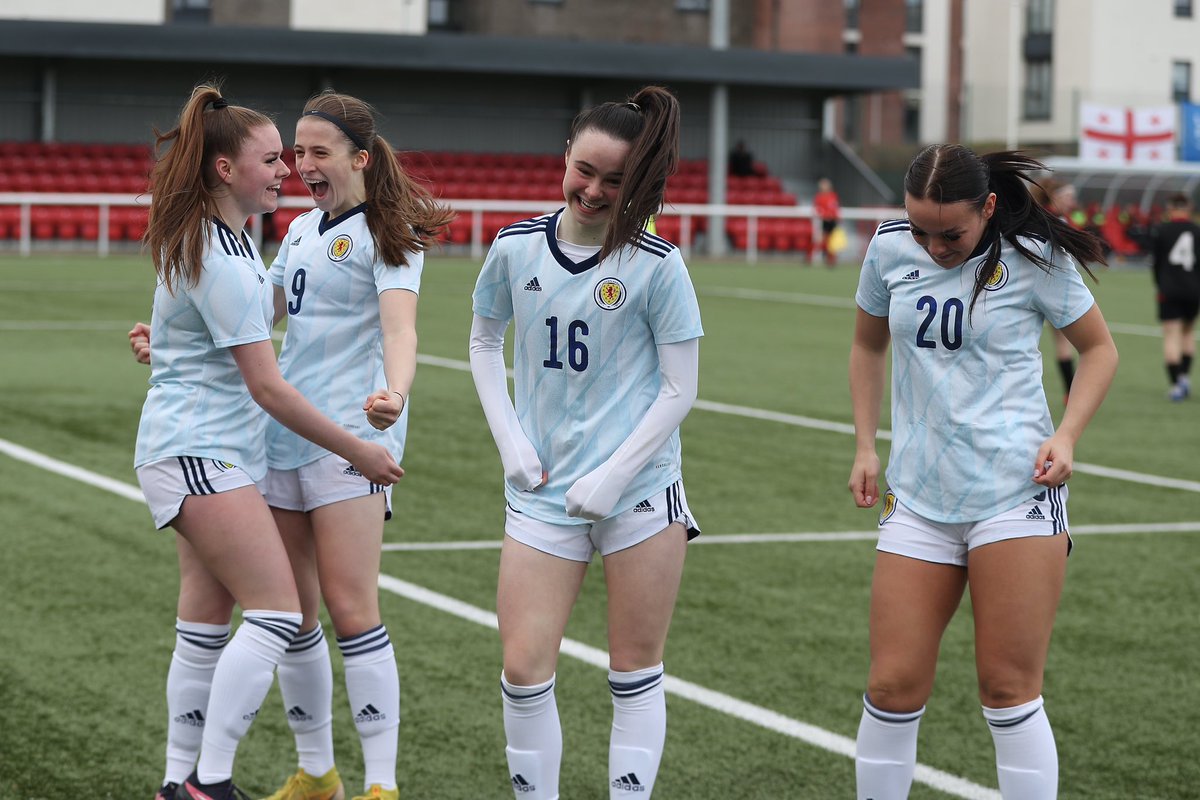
[(968, 408), (585, 352)]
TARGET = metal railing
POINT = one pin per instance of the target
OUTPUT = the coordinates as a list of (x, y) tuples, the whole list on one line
[(688, 213)]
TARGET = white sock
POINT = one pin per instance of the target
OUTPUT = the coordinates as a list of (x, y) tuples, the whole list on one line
[(639, 728), (241, 681), (534, 737), (373, 685), (306, 683), (1026, 758), (885, 754), (198, 646)]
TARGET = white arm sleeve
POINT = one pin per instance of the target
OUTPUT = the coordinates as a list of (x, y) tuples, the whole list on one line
[(522, 467), (594, 495)]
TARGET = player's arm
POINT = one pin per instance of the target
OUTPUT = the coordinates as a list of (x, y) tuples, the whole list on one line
[(281, 400), (279, 299), (1097, 365), (398, 325), (596, 494), (868, 370), (522, 466)]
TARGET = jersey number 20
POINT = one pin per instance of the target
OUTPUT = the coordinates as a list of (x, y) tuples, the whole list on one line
[(952, 317)]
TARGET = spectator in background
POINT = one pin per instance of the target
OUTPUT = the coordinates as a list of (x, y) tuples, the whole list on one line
[(741, 160), (828, 209), (1178, 285)]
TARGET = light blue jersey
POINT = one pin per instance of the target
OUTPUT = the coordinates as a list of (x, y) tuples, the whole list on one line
[(198, 403), (584, 353), (968, 409), (333, 349)]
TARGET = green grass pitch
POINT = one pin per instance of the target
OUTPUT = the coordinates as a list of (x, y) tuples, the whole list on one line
[(89, 587)]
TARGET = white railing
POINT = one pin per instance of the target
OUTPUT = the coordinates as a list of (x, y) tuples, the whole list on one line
[(687, 212)]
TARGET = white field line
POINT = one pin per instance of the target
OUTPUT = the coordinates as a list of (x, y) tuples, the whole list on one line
[(845, 428), (717, 701), (795, 420)]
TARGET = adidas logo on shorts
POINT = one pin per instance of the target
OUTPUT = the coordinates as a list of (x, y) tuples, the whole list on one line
[(533, 286), (1035, 513), (644, 506)]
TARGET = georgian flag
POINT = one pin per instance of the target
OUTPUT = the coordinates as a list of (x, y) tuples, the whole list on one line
[(1116, 135)]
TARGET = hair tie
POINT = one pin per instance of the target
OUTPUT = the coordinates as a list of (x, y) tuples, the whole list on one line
[(342, 126), (220, 103), (634, 106)]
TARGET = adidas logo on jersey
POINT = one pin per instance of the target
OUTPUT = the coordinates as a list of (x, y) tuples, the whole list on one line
[(644, 506), (519, 784), (193, 718), (298, 714), (296, 241), (628, 783), (369, 714), (1035, 513), (533, 286), (912, 276)]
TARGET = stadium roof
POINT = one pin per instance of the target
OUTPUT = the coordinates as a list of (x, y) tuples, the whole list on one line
[(1117, 183), (464, 53)]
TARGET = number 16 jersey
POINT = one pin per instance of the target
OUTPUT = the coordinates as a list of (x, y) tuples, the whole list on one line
[(585, 352)]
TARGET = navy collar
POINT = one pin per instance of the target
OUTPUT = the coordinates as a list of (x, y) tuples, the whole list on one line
[(327, 223), (562, 259)]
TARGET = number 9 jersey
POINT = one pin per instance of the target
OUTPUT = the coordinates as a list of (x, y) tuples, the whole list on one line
[(585, 352), (968, 408)]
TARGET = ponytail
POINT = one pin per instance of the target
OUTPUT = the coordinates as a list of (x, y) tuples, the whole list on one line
[(649, 122), (184, 177), (402, 215), (950, 173)]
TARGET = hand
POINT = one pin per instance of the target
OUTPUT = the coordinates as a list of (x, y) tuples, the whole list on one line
[(383, 408), (593, 496), (377, 465), (527, 473), (139, 342), (864, 479), (1055, 461)]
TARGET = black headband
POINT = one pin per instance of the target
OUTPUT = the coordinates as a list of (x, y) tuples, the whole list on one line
[(351, 135)]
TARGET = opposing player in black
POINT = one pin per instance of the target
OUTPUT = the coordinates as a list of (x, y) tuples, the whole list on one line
[(1178, 285)]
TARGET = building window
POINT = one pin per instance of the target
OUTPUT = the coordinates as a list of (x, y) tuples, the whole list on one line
[(547, 2), (1181, 81), (1183, 8), (1039, 16), (914, 14), (852, 14), (691, 5), (912, 118), (1038, 89), (191, 11)]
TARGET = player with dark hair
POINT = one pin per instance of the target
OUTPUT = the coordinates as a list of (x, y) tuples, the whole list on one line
[(607, 330), (977, 475), (1173, 251)]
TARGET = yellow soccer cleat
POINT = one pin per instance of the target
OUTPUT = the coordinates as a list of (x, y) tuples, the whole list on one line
[(302, 786), (377, 792)]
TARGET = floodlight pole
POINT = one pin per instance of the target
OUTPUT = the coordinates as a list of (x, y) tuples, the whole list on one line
[(718, 131)]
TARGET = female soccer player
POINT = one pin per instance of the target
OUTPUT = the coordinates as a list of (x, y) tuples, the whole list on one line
[(607, 339), (977, 473), (201, 442), (347, 276)]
